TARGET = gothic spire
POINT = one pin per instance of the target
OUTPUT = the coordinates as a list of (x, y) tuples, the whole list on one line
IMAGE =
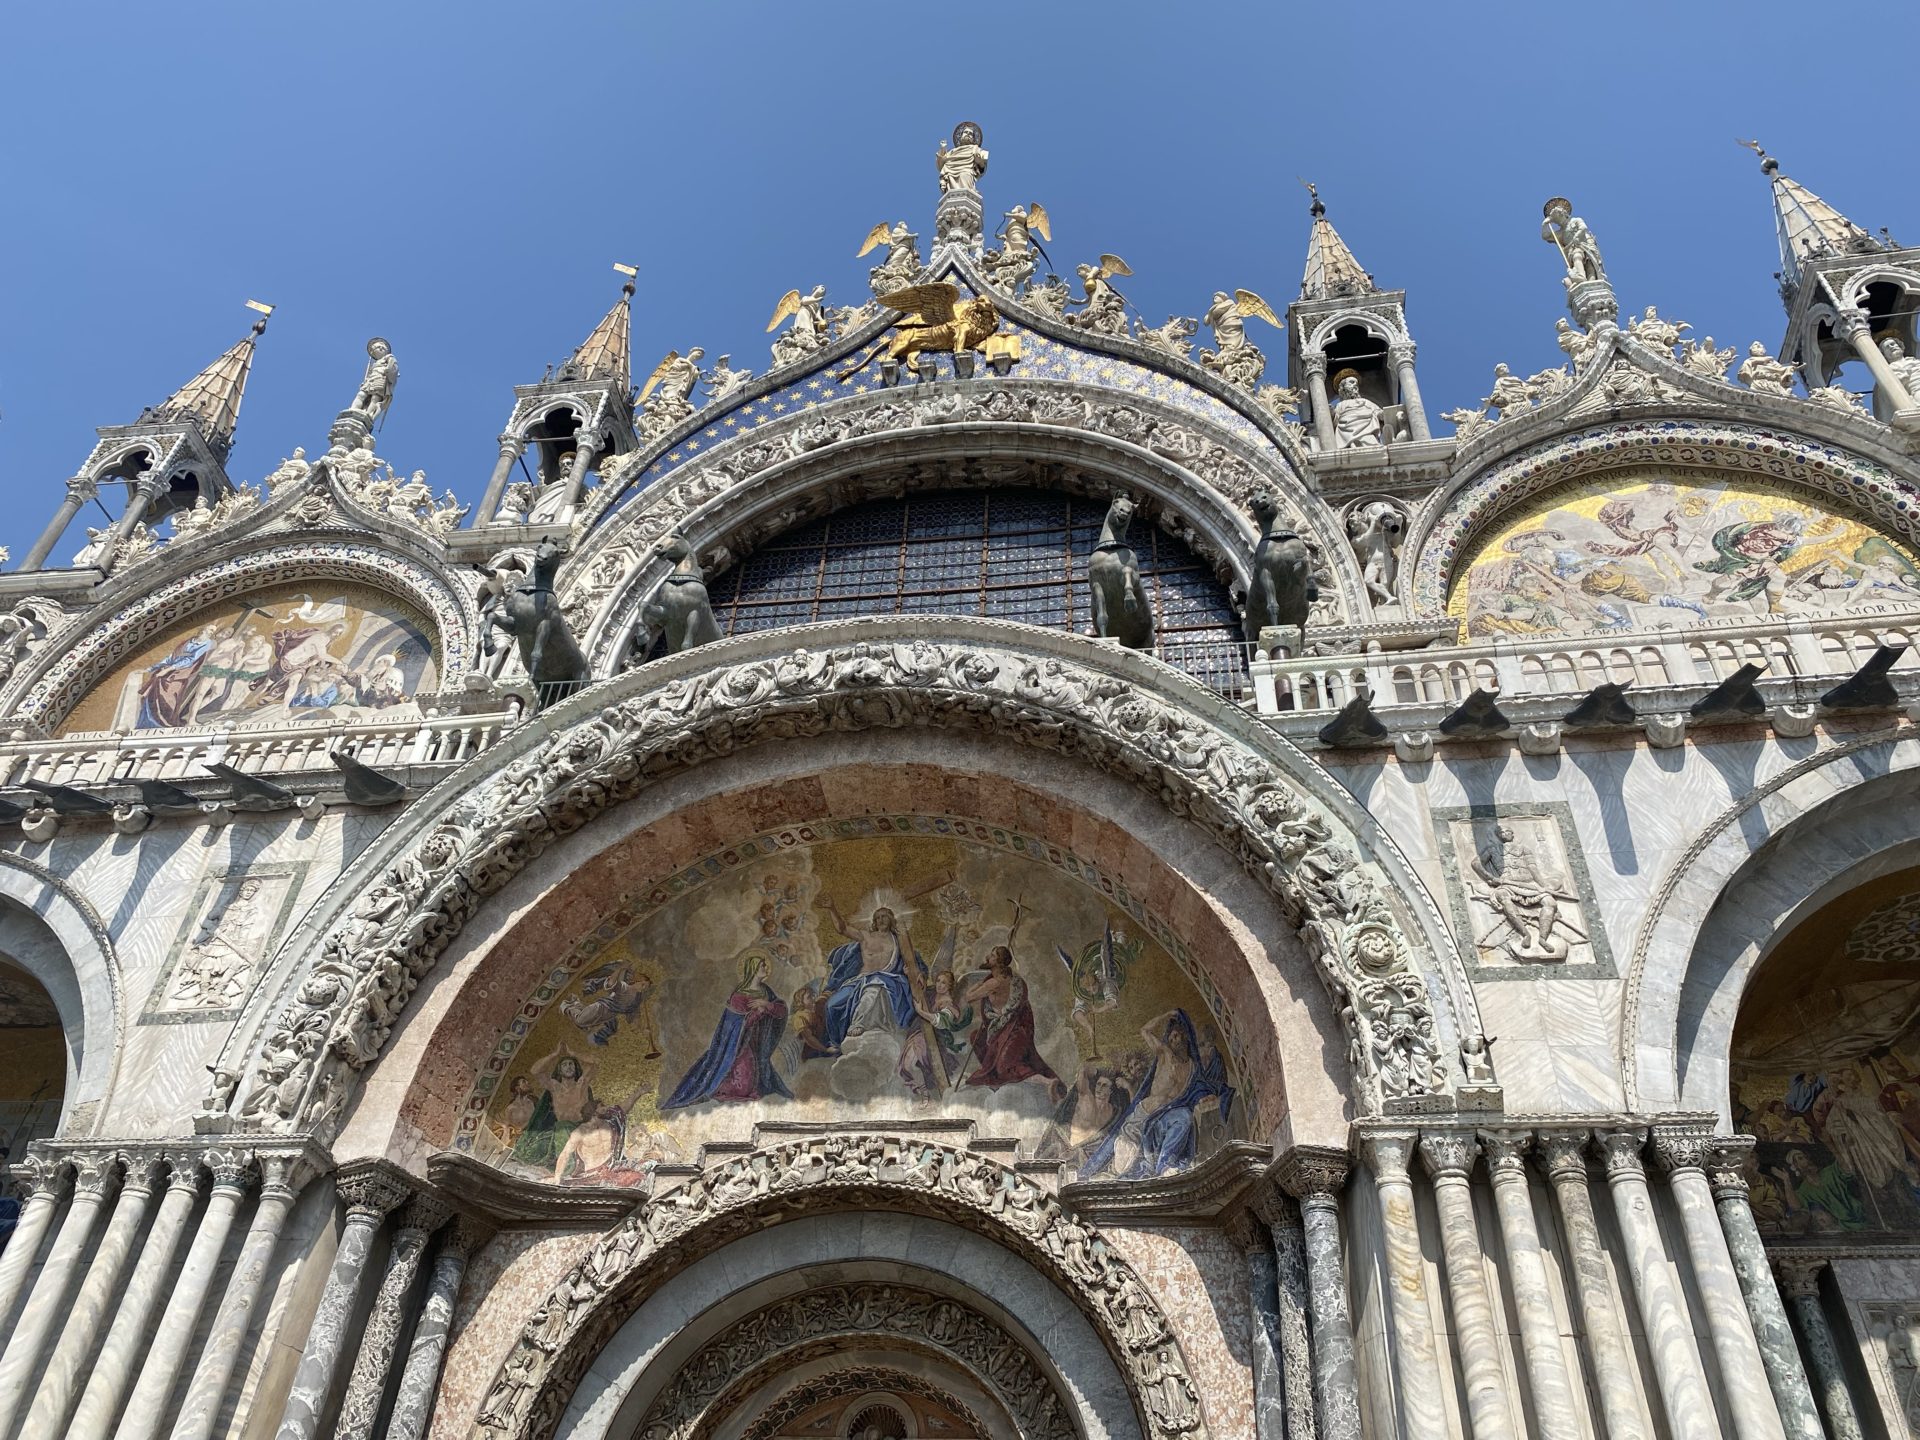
[(1332, 269), (1807, 225), (212, 398), (606, 353)]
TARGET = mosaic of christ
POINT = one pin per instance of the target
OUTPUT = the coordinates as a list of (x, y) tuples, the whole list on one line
[(895, 976), (311, 652)]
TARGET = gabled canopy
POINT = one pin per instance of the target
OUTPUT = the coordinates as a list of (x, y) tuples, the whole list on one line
[(212, 398), (1332, 269), (606, 353), (1807, 224)]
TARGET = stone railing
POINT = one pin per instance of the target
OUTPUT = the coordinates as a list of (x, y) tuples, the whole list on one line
[(177, 755)]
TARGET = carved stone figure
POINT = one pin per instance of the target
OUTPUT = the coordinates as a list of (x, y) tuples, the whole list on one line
[(1655, 332), (1905, 367), (809, 330), (1171, 338), (1510, 393), (1357, 421), (1011, 267), (1545, 385), (1577, 345), (138, 544), (667, 397), (95, 550), (515, 501), (290, 471), (1103, 309), (1528, 892), (1704, 360), (1121, 609), (1238, 360), (723, 381), (375, 395), (1280, 588), (962, 163), (902, 263), (1763, 374), (680, 609), (1376, 530), (20, 631), (530, 614), (1837, 397), (1466, 423), (1578, 248)]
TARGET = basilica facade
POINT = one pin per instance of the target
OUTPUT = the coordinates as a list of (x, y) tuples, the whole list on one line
[(1009, 873)]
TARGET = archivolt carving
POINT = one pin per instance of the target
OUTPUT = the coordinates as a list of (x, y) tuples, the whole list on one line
[(712, 1383), (859, 1380), (373, 957), (594, 1298)]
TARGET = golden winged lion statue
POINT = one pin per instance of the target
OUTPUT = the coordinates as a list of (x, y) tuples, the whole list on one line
[(933, 320)]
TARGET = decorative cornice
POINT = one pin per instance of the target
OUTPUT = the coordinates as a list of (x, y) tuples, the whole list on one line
[(502, 1199), (1201, 1194)]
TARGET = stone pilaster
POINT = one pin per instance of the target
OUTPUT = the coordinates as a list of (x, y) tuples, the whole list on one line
[(413, 1402), (43, 1182), (367, 1386), (95, 1177), (1663, 1313), (1556, 1408), (1792, 1396), (1316, 1178), (1422, 1390), (1563, 1155), (1801, 1280), (1449, 1157)]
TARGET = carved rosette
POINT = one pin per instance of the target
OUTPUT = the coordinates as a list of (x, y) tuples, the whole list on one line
[(369, 965), (595, 1297)]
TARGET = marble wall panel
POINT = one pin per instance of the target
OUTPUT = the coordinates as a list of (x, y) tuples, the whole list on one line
[(1199, 1277)]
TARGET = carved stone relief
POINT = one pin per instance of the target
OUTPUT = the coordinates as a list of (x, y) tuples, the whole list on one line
[(233, 923), (1893, 1343), (1521, 898)]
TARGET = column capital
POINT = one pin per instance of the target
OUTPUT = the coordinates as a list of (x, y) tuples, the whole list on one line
[(1388, 1153), (232, 1169), (587, 440), (1727, 1157), (1506, 1151), (283, 1176), (1800, 1275), (425, 1213), (39, 1175), (511, 445), (371, 1194), (150, 486), (1314, 362), (1563, 1153), (81, 489), (1620, 1150), (1682, 1147), (1850, 323), (1314, 1174), (1401, 352), (185, 1169), (95, 1173), (1275, 1209), (143, 1170), (1245, 1232), (467, 1234), (1448, 1154)]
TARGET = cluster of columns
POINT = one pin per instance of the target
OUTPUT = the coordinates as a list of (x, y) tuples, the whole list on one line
[(1767, 1396)]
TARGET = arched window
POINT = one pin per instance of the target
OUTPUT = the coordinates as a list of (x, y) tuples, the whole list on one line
[(33, 1080)]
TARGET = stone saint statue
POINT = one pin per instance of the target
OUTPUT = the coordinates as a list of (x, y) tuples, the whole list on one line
[(1577, 246), (1763, 374), (1906, 369), (1357, 420), (962, 163), (376, 386)]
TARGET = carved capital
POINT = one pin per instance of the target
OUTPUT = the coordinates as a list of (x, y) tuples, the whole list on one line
[(1680, 1148), (81, 489), (95, 1174), (1727, 1166), (512, 446), (150, 486), (1448, 1154), (371, 1194), (1800, 1277), (1506, 1151), (1852, 323), (1388, 1153), (467, 1234), (1314, 362), (424, 1213), (1401, 352), (1620, 1151), (1275, 1209), (37, 1175), (143, 1171), (231, 1169), (1315, 1174), (187, 1170), (1563, 1153), (282, 1176)]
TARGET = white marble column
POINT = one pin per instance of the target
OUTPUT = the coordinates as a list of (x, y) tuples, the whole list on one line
[(44, 1181), (1563, 1155), (369, 1195), (1792, 1396), (1400, 355), (420, 1379), (94, 1179), (1663, 1310), (80, 490), (1316, 1178), (1557, 1409), (1801, 1280), (367, 1386), (1314, 362), (586, 446), (99, 1407), (1855, 327), (512, 447), (281, 1177), (1422, 1383), (1449, 1157), (147, 1407), (1682, 1152), (58, 1380)]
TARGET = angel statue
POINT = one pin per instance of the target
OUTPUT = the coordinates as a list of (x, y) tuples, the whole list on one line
[(809, 330), (1103, 308), (903, 256), (962, 163), (1578, 248), (1238, 361), (723, 381), (1011, 266), (674, 379), (934, 320)]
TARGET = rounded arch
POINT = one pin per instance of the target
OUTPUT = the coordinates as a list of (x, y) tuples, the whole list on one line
[(957, 1221), (60, 940), (1832, 821), (61, 675)]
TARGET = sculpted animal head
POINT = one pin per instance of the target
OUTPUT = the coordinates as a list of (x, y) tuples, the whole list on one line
[(673, 547), (1120, 514)]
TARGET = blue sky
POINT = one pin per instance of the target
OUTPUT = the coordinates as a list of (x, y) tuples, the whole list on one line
[(459, 178)]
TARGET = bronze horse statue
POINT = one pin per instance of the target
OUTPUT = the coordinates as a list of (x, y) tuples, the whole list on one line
[(530, 613)]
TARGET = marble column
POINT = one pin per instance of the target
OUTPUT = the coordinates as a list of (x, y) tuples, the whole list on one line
[(1286, 1299), (586, 445), (147, 1407), (1557, 1409), (369, 1196), (281, 1177), (44, 1181), (1449, 1157), (53, 1396), (1400, 355), (1801, 1280), (79, 491), (413, 1401), (1682, 1153), (1263, 1330), (1563, 1155), (99, 1407), (1422, 1383), (367, 1386), (1316, 1178), (512, 447), (1314, 362), (95, 1176), (148, 488), (1792, 1396), (1663, 1310), (1856, 328)]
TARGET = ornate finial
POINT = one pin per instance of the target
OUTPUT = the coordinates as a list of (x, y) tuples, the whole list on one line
[(266, 313), (1316, 209), (631, 272), (1768, 164)]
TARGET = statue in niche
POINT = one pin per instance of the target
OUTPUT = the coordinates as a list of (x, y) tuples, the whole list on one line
[(1281, 591), (531, 615), (1532, 896), (375, 395), (962, 163), (1121, 609), (1357, 421), (680, 609), (1376, 530), (1573, 237)]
